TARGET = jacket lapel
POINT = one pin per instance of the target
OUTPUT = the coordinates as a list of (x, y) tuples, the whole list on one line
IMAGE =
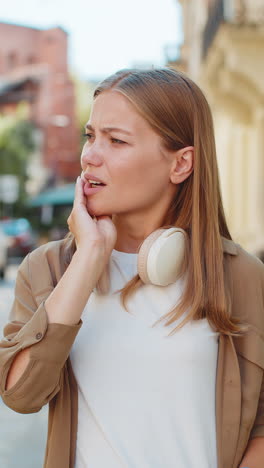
[(228, 388), (228, 402)]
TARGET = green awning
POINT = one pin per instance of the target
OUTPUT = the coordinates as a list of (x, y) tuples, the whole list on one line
[(62, 195)]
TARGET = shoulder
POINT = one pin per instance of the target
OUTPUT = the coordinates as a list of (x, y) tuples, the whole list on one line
[(246, 266), (44, 264), (245, 275), (52, 250)]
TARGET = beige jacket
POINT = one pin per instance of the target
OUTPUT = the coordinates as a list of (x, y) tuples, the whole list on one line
[(49, 377)]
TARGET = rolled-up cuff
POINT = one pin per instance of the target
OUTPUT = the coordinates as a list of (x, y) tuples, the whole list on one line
[(50, 345)]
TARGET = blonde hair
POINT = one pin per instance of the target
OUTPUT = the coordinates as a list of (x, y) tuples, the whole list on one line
[(177, 110)]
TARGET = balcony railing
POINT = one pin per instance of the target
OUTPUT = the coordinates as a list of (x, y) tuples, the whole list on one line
[(239, 12), (249, 12)]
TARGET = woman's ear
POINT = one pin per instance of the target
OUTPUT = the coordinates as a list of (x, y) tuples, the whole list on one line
[(182, 165)]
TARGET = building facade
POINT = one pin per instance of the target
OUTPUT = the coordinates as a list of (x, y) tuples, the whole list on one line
[(223, 51), (34, 70)]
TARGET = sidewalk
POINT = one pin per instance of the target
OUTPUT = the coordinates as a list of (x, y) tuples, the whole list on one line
[(22, 438)]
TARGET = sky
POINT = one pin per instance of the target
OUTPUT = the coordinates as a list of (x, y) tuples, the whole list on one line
[(105, 35)]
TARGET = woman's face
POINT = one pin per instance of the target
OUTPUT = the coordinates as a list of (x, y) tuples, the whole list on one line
[(125, 153)]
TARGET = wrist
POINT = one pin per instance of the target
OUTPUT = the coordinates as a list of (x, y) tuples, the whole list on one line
[(91, 257), (93, 249)]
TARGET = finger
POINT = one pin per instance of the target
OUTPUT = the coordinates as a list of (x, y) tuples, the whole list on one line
[(69, 220), (79, 195)]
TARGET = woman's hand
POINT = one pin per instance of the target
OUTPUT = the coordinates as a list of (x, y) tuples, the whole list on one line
[(99, 232)]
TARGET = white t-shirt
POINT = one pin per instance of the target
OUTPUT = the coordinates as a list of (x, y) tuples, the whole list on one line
[(146, 400)]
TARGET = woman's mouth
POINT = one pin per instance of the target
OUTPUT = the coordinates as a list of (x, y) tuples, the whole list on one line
[(91, 186), (91, 189)]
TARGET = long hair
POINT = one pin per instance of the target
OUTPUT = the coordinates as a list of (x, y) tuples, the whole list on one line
[(178, 111)]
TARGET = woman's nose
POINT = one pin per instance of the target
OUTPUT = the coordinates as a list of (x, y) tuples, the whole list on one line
[(91, 156)]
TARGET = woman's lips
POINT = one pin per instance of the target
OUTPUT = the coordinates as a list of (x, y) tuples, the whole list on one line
[(89, 190)]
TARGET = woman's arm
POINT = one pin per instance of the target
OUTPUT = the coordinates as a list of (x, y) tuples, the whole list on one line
[(254, 455), (38, 340), (66, 303), (49, 344)]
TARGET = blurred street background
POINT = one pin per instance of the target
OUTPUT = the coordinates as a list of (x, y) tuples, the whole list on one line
[(52, 55)]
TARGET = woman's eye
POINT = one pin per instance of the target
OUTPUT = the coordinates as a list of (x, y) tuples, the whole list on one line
[(115, 140), (87, 135)]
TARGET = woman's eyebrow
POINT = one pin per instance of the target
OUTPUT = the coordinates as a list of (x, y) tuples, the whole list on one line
[(109, 129)]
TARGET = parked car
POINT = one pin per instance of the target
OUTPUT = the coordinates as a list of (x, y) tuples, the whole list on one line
[(22, 239), (3, 252)]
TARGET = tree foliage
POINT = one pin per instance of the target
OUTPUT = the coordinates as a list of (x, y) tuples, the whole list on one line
[(16, 146)]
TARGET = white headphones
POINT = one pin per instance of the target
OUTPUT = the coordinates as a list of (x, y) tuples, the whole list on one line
[(160, 258)]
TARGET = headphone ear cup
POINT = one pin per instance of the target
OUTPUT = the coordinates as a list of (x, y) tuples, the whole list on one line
[(161, 256), (143, 255)]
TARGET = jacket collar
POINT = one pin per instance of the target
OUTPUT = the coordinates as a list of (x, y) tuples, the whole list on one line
[(229, 246)]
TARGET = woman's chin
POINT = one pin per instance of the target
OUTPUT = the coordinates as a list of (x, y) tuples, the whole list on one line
[(96, 211)]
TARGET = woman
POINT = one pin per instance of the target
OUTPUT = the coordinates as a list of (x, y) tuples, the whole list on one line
[(87, 331)]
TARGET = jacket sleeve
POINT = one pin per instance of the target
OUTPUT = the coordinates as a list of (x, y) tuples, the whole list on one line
[(49, 343)]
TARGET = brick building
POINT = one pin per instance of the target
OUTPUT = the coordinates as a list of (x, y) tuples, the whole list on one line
[(34, 69)]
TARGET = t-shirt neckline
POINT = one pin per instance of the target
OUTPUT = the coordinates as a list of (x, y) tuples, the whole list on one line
[(126, 256)]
